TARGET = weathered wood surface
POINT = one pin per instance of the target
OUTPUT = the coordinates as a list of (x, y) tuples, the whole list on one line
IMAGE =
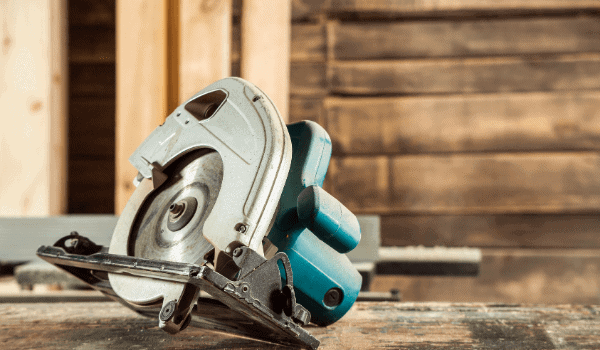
[(546, 276), (367, 326), (466, 123), (460, 76), (501, 230), (33, 101), (469, 184), (489, 37)]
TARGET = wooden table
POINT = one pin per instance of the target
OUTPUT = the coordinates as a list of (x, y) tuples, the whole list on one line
[(108, 325)]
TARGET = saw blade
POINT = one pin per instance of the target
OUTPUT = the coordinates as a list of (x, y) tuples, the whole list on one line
[(169, 224)]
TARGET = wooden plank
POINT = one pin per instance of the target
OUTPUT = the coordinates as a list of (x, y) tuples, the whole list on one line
[(502, 230), (92, 45), (360, 183), (507, 36), (427, 7), (92, 13), (309, 9), (493, 183), (308, 43), (92, 128), (306, 109), (503, 122), (92, 80), (90, 181), (33, 140), (478, 75), (266, 49), (368, 325), (142, 88), (308, 79), (205, 45), (537, 276)]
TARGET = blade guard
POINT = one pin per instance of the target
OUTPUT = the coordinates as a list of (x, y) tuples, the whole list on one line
[(240, 122)]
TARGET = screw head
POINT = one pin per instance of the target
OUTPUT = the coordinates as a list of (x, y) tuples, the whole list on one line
[(241, 228)]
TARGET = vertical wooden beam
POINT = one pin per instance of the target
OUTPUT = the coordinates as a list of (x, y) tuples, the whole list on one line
[(142, 83), (266, 35), (205, 44), (33, 91)]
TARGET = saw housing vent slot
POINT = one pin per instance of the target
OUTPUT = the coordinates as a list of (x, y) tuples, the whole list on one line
[(203, 107)]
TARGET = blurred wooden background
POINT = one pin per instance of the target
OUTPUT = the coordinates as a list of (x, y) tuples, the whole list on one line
[(461, 123)]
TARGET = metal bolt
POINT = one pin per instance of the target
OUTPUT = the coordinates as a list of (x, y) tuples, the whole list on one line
[(333, 297), (237, 252), (241, 228), (167, 312), (177, 209)]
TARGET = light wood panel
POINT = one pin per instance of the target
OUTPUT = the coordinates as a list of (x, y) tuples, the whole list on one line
[(464, 123), (33, 103), (141, 83), (457, 76), (501, 230), (266, 33), (543, 276), (488, 37), (205, 44)]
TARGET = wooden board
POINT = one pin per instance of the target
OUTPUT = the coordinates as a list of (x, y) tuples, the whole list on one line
[(466, 123), (506, 36), (92, 13), (306, 109), (265, 58), (142, 88), (33, 100), (308, 79), (92, 129), (92, 80), (511, 276), (423, 326), (501, 230), (204, 44), (459, 76), (89, 179), (469, 184), (92, 45), (427, 7)]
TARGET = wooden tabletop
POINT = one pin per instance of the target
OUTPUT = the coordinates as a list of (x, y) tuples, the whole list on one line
[(108, 325)]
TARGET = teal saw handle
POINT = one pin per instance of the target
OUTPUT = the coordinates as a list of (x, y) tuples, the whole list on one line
[(315, 230)]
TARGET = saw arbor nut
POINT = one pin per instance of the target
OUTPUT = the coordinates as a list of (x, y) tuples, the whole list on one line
[(181, 213)]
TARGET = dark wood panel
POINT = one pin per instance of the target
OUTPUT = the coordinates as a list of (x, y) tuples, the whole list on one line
[(510, 36), (475, 75), (96, 80), (306, 109), (511, 276), (388, 8), (502, 230), (503, 122), (308, 79), (91, 185), (360, 183), (92, 128), (92, 13), (92, 45), (495, 183)]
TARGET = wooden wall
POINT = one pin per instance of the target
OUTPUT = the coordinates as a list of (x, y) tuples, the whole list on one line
[(462, 123)]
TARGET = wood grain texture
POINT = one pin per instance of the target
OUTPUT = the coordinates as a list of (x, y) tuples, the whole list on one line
[(368, 325), (497, 183), (427, 7), (265, 59), (33, 100), (141, 84), (92, 13), (541, 276), (306, 109), (205, 45), (502, 230), (92, 45), (489, 37), (308, 79), (360, 183), (458, 76), (92, 80), (92, 129), (464, 123)]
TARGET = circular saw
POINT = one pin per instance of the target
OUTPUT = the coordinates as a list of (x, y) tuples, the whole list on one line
[(213, 182)]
